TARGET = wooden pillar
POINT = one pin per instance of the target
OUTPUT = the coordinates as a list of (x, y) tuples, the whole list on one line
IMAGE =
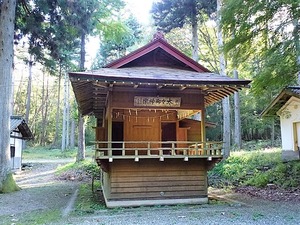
[(104, 119), (109, 123), (203, 131)]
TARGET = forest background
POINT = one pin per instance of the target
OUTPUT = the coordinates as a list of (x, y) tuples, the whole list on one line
[(261, 43)]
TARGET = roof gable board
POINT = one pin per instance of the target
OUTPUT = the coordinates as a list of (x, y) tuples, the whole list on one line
[(158, 43), (290, 102), (18, 124), (281, 99)]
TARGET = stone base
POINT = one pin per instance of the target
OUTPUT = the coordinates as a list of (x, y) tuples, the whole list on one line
[(136, 203), (289, 155)]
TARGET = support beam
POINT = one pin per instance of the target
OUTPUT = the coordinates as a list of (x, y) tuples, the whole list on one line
[(203, 131), (109, 123)]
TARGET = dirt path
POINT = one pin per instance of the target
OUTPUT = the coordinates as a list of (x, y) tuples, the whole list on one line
[(41, 191)]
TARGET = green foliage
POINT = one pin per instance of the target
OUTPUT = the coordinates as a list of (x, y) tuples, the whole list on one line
[(214, 115), (90, 131), (46, 29), (87, 202), (86, 166), (257, 168), (52, 33), (9, 185), (259, 180), (208, 50), (47, 153), (37, 217), (253, 127), (270, 27), (52, 153), (114, 48), (170, 14)]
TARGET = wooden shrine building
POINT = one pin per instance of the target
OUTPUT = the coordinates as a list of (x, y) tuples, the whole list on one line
[(149, 150)]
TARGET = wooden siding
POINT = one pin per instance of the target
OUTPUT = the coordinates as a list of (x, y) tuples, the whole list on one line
[(141, 129), (151, 179), (194, 131), (100, 133)]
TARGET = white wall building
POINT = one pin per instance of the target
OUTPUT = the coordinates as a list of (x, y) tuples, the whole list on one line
[(287, 106), (19, 132)]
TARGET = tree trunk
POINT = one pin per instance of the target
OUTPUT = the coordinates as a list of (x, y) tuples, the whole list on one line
[(195, 43), (7, 9), (18, 98), (225, 101), (44, 113), (237, 116), (72, 135), (43, 109), (68, 115), (81, 139), (82, 52), (57, 110), (295, 8), (272, 131), (28, 99), (81, 128), (64, 126), (226, 127)]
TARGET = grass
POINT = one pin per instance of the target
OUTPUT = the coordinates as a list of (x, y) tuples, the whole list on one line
[(9, 185), (86, 166), (88, 202), (32, 218), (48, 153), (256, 168)]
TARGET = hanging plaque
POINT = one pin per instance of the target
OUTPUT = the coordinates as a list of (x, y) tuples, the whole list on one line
[(157, 101)]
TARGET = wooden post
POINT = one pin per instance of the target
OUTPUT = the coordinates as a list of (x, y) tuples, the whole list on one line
[(148, 149), (203, 131), (123, 149), (109, 125)]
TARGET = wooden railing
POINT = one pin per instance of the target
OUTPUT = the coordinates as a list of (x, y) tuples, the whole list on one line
[(151, 149)]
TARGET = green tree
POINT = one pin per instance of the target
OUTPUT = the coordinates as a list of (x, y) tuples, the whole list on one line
[(51, 42), (50, 37), (112, 49), (56, 32), (273, 28), (90, 18), (170, 14)]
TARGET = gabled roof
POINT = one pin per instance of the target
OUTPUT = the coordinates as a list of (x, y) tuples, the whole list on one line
[(278, 102), (91, 88), (157, 66), (156, 53), (18, 124)]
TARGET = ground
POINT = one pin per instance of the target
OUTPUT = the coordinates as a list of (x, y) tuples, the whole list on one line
[(41, 192), (44, 199)]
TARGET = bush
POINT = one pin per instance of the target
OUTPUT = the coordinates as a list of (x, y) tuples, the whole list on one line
[(256, 168), (86, 166), (258, 180)]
